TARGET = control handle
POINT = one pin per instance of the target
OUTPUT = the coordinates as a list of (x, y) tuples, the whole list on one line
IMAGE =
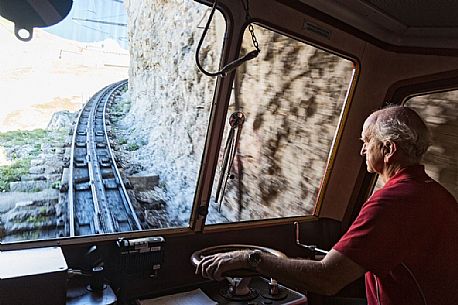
[(313, 251)]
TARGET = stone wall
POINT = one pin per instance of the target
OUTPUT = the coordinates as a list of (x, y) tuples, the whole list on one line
[(170, 98)]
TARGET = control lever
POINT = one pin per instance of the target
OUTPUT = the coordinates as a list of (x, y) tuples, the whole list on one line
[(273, 287), (312, 249), (239, 286)]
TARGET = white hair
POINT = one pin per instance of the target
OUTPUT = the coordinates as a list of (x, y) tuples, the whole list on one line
[(403, 126)]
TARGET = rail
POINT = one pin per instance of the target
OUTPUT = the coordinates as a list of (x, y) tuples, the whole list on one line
[(98, 201)]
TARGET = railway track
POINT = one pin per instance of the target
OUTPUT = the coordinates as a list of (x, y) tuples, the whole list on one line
[(97, 198)]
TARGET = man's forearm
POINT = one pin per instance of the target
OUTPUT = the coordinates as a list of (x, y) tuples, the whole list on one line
[(305, 275), (324, 277)]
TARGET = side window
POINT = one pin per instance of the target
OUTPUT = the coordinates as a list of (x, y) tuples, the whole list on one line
[(440, 112), (292, 97)]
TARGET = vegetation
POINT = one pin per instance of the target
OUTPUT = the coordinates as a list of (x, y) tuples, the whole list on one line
[(119, 109), (21, 137), (21, 147), (56, 185), (23, 144), (133, 147), (35, 219), (13, 172)]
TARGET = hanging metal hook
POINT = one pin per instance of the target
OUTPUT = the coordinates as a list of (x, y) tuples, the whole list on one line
[(239, 61), (236, 121)]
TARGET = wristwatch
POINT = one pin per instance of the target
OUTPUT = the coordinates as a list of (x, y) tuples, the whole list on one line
[(254, 258)]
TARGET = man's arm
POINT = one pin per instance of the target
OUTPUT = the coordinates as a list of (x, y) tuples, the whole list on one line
[(327, 276)]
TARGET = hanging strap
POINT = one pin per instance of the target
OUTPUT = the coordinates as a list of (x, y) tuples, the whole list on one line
[(239, 61)]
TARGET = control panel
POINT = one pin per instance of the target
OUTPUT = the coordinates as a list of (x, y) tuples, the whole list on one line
[(252, 291)]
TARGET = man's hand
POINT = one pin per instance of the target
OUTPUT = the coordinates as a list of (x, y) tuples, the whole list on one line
[(213, 266)]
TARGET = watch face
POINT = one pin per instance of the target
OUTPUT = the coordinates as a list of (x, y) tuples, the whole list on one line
[(254, 258)]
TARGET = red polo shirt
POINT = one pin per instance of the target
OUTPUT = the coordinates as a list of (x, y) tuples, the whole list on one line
[(406, 237)]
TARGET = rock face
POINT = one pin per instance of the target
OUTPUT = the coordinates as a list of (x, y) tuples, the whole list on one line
[(170, 99), (33, 218), (61, 119), (30, 215), (30, 186), (31, 209)]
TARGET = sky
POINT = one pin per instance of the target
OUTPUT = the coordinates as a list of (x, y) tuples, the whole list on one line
[(61, 66), (81, 25)]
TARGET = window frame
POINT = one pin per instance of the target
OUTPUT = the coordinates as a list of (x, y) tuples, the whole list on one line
[(175, 231), (200, 226)]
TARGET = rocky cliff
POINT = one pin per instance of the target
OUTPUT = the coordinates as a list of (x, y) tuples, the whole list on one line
[(170, 99)]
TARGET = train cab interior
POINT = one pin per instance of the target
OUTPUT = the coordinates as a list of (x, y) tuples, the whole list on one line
[(270, 108)]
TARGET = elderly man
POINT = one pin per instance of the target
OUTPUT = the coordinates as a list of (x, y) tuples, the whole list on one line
[(405, 238)]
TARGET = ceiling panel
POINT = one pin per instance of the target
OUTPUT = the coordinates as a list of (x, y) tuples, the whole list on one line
[(419, 13), (412, 23)]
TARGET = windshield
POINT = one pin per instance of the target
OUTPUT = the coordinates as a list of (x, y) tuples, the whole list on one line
[(104, 119)]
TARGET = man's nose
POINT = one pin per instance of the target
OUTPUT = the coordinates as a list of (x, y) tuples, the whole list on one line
[(363, 150)]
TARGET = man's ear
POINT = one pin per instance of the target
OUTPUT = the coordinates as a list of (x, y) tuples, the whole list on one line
[(389, 149)]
